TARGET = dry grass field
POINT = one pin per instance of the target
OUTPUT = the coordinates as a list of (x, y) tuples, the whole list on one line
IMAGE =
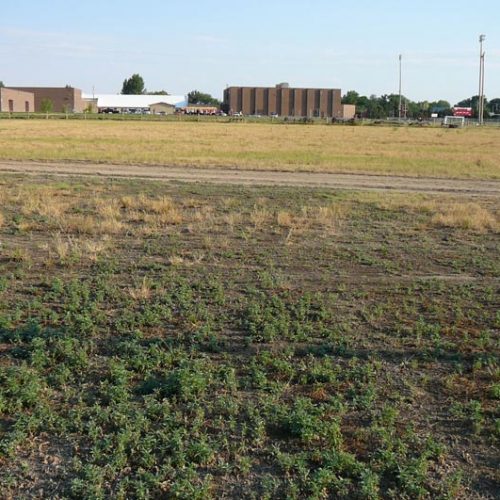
[(434, 152), (196, 341)]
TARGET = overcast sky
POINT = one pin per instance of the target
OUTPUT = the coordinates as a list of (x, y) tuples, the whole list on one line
[(179, 46)]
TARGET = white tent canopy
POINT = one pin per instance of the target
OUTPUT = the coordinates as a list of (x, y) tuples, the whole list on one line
[(131, 101)]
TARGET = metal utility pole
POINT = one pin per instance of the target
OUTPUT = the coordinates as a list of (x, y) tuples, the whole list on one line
[(482, 93), (400, 80), (480, 100)]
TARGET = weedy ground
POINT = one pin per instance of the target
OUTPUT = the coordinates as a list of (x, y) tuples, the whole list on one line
[(193, 341), (409, 151)]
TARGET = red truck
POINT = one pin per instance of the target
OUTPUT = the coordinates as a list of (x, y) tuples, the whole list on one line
[(466, 112)]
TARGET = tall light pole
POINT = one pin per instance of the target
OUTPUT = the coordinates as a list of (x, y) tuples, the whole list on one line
[(480, 101), (400, 80)]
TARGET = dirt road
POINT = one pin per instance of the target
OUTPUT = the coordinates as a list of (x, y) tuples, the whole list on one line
[(258, 177)]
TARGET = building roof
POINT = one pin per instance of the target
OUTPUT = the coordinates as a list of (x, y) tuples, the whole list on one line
[(161, 103), (135, 101), (282, 86)]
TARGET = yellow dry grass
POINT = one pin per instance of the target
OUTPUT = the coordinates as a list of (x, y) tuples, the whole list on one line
[(467, 153), (232, 219), (329, 218), (444, 212), (157, 212), (62, 247), (203, 213), (259, 216), (65, 247), (108, 209), (93, 248), (43, 202), (78, 224), (19, 254), (332, 215), (163, 219), (284, 218), (82, 222), (109, 226), (175, 260), (143, 291), (466, 216), (143, 202)]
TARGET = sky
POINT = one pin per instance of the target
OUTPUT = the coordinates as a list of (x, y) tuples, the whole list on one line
[(179, 46)]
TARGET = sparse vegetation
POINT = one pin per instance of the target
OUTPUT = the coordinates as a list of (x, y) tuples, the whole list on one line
[(445, 211), (193, 341), (467, 216)]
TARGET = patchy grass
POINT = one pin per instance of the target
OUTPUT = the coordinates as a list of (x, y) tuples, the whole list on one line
[(197, 341), (466, 216), (66, 248), (446, 211), (467, 153)]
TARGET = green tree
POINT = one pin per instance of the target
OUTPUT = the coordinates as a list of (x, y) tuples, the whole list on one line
[(441, 107), (197, 97), (351, 97), (133, 85), (1, 84), (159, 92), (414, 109), (375, 107), (362, 106), (494, 106), (387, 105), (46, 106), (443, 103)]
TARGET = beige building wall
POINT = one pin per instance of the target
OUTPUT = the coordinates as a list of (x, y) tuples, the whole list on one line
[(16, 101), (64, 99), (348, 111), (90, 105), (162, 108)]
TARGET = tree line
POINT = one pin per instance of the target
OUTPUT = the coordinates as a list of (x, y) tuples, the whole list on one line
[(387, 106)]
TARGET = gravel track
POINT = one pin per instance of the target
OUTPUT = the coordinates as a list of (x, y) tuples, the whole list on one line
[(365, 182)]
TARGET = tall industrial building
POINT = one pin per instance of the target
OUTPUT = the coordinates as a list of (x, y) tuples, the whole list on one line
[(283, 100)]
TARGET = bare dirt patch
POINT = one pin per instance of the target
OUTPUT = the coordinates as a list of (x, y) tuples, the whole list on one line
[(363, 182)]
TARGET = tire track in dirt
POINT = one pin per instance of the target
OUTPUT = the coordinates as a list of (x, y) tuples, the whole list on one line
[(365, 182)]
